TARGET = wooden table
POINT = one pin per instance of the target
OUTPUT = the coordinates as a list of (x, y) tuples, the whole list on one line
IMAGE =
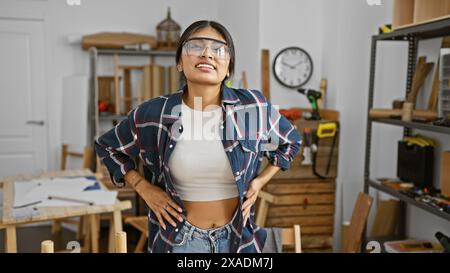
[(89, 213)]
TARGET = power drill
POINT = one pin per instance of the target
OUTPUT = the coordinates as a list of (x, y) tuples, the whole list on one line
[(313, 96)]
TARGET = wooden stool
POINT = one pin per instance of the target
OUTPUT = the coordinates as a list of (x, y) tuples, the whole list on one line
[(292, 236), (87, 162), (141, 224)]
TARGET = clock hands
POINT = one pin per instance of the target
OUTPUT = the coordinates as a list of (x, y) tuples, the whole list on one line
[(290, 66)]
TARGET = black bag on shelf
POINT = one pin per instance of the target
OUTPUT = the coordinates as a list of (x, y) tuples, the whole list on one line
[(415, 164)]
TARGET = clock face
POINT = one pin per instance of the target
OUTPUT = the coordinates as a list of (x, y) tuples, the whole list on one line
[(293, 67)]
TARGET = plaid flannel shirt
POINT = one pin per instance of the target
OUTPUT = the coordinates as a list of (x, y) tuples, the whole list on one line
[(150, 132)]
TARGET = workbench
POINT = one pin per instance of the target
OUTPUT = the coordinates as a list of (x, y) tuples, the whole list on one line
[(298, 197), (90, 213)]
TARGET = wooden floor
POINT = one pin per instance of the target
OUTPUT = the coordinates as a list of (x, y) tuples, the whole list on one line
[(29, 238)]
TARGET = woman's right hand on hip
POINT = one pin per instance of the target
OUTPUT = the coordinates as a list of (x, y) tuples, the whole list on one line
[(161, 204)]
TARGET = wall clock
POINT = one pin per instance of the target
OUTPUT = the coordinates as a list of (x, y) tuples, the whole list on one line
[(293, 67)]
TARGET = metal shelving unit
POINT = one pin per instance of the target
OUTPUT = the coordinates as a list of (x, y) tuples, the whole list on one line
[(412, 35)]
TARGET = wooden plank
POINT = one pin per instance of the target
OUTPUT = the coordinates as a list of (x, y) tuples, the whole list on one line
[(314, 210), (147, 82), (357, 224), (261, 215), (157, 80), (116, 40), (433, 100), (116, 84), (265, 73), (11, 239), (300, 188), (318, 250), (174, 79), (127, 90), (317, 230), (301, 181), (304, 199), (298, 171), (309, 242), (303, 221)]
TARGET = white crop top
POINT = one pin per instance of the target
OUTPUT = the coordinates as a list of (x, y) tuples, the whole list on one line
[(198, 165)]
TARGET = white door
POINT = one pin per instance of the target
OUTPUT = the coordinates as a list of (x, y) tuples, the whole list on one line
[(23, 123)]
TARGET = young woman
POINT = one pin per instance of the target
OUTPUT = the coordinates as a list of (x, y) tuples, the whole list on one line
[(201, 156)]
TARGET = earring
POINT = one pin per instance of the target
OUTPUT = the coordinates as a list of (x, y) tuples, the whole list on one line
[(179, 68)]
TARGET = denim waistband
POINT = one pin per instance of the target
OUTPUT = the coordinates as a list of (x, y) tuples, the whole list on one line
[(211, 233)]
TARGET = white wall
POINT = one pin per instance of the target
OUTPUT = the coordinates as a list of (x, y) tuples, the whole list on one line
[(286, 23), (242, 19), (335, 33)]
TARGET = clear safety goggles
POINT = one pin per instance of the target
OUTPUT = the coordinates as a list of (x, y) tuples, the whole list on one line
[(197, 46)]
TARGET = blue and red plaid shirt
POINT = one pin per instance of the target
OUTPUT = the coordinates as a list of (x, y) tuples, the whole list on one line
[(252, 128)]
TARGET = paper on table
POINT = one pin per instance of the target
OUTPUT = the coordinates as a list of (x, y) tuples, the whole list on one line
[(98, 197), (27, 192)]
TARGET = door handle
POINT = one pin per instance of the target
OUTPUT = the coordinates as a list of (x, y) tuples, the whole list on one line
[(36, 122)]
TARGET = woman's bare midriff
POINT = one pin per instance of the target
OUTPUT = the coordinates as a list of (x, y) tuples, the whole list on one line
[(211, 214)]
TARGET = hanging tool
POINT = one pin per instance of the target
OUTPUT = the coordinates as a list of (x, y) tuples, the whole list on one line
[(324, 130), (313, 96), (308, 147)]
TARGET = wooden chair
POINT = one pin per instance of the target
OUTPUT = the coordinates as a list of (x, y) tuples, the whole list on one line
[(141, 224), (353, 234), (292, 237), (87, 156), (47, 246)]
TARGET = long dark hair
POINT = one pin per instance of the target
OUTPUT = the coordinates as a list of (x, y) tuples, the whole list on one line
[(194, 27)]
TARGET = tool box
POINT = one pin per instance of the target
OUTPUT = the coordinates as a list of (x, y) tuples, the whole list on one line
[(415, 164)]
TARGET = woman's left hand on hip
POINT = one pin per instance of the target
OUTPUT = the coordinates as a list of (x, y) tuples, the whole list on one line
[(251, 195)]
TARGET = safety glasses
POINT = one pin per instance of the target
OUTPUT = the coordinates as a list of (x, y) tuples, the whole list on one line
[(197, 46)]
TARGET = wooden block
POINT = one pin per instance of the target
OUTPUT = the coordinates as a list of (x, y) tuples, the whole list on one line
[(121, 242), (445, 174), (403, 13), (47, 247)]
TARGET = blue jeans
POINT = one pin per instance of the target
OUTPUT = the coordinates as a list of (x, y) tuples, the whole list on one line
[(192, 239)]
